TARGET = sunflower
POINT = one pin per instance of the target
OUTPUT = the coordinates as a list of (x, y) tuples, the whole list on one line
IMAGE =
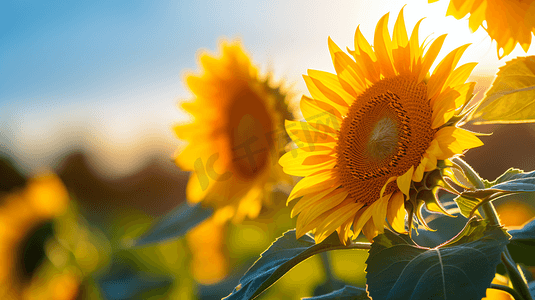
[(25, 225), (237, 136), (374, 131), (509, 22)]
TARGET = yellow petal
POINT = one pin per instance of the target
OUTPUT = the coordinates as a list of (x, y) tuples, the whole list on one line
[(466, 91), (362, 45), (250, 205), (459, 75), (299, 156), (383, 189), (444, 107), (419, 172), (301, 170), (370, 231), (396, 212), (430, 56), (453, 140), (431, 163), (434, 148), (350, 72), (400, 37), (379, 213), (404, 181), (193, 157), (477, 16), (313, 109), (196, 188), (318, 202), (467, 139), (383, 47), (335, 198), (326, 127), (346, 79), (416, 51), (442, 71), (362, 217), (344, 231), (330, 86), (335, 220), (312, 184)]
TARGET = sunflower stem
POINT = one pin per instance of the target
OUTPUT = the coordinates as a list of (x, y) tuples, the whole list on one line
[(470, 173), (359, 245), (517, 279)]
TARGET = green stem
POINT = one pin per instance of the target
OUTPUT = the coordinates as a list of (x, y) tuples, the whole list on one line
[(518, 281), (507, 289), (470, 174), (359, 245)]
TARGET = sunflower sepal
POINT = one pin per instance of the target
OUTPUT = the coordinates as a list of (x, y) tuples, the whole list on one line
[(425, 193), (421, 219), (432, 202)]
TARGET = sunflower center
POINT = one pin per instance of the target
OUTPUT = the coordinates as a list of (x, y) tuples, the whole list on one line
[(386, 131), (383, 138), (250, 126)]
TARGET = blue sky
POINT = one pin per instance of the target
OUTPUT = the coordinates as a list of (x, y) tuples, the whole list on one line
[(108, 74)]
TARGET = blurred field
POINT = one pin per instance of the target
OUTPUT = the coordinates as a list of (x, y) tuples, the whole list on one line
[(112, 208)]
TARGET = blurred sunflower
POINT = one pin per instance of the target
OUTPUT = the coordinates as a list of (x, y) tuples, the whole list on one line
[(237, 136), (509, 22), (209, 264), (390, 121), (25, 225)]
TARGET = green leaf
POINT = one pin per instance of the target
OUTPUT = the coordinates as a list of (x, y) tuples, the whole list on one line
[(511, 182), (346, 293), (511, 99), (125, 279), (522, 245), (510, 174), (464, 269), (175, 224), (473, 231), (517, 185), (447, 228), (284, 254), (466, 204)]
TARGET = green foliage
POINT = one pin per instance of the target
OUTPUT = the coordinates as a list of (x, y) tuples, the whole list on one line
[(475, 229), (506, 176), (460, 269), (511, 182), (285, 253), (511, 98), (346, 293), (126, 280), (522, 245), (175, 224)]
